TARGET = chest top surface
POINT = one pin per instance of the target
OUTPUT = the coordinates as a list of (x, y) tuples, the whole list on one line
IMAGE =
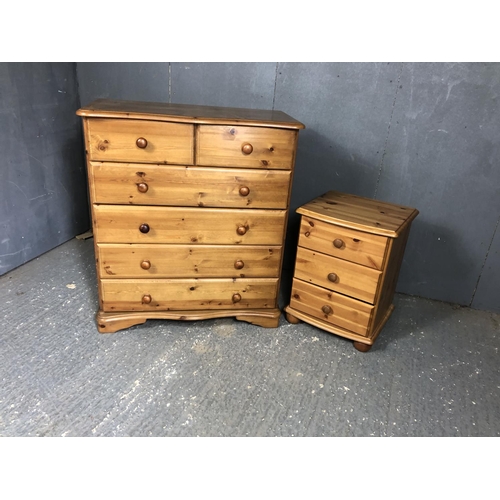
[(363, 214), (187, 113)]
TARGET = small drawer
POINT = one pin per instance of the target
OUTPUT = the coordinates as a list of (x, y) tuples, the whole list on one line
[(188, 261), (139, 184), (331, 307), (249, 147), (212, 226), (187, 294), (140, 141), (339, 275), (348, 244)]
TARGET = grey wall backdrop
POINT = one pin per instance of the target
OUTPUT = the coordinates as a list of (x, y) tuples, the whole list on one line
[(43, 194), (419, 134)]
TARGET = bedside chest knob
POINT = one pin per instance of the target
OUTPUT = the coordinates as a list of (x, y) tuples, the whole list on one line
[(146, 299), (241, 230), (247, 148), (239, 264), (145, 264), (142, 187), (141, 142), (327, 310), (338, 243), (236, 297), (333, 277), (144, 228), (244, 191)]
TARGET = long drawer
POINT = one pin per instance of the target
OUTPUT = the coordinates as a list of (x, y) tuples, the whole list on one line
[(250, 147), (139, 184), (141, 141), (331, 307), (188, 294), (348, 244), (187, 261), (127, 224), (339, 275)]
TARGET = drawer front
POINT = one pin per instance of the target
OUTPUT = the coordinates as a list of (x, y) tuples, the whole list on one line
[(339, 275), (119, 140), (188, 261), (126, 224), (250, 147), (188, 294), (137, 184), (348, 244), (331, 307)]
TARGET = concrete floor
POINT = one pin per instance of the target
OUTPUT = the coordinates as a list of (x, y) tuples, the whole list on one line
[(433, 371)]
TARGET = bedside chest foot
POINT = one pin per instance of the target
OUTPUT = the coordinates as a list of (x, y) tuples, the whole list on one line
[(362, 347), (292, 319)]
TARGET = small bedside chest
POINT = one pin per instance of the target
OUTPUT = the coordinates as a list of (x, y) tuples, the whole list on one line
[(349, 255)]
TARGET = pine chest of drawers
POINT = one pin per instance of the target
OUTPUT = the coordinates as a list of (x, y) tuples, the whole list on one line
[(349, 254), (189, 210)]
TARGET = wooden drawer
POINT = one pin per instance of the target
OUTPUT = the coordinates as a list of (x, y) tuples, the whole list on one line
[(339, 275), (117, 140), (355, 246), (331, 307), (250, 147), (136, 184), (121, 224), (187, 294), (188, 261)]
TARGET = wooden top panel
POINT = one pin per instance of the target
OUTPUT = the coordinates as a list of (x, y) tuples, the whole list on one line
[(187, 113), (363, 214)]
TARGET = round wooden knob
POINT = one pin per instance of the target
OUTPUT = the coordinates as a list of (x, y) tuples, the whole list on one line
[(239, 264), (244, 191), (338, 243), (141, 142), (142, 187), (144, 228), (241, 230), (327, 309), (333, 277), (145, 264), (236, 297), (146, 299), (247, 148)]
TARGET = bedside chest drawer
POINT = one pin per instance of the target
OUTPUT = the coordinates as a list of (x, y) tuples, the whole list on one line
[(139, 184), (140, 141), (336, 274), (331, 307), (188, 261), (127, 224), (187, 294), (251, 147), (348, 244)]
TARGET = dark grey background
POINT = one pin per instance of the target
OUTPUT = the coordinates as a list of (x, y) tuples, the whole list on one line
[(420, 134)]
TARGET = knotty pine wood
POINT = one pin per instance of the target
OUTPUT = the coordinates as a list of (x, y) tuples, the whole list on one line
[(348, 313), (360, 247), (117, 183), (115, 140), (190, 294), (263, 205), (120, 224), (353, 280), (363, 214), (221, 145), (188, 261), (187, 113)]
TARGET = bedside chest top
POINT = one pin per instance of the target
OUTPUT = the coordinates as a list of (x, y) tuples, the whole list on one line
[(187, 113), (362, 214)]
